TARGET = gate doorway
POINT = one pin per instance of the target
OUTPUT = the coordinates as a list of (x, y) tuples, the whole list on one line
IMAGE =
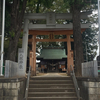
[(51, 34)]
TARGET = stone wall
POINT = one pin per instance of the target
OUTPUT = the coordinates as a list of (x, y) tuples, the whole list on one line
[(12, 89), (89, 88), (90, 69)]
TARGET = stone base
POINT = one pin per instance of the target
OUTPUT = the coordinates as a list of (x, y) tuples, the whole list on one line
[(89, 88), (33, 73), (12, 89)]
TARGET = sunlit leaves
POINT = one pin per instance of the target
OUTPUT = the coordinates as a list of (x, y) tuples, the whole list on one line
[(89, 43)]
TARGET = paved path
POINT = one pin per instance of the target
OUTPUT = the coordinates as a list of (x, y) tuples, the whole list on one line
[(52, 75)]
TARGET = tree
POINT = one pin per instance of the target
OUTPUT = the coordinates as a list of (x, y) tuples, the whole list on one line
[(15, 14), (16, 18), (89, 44), (75, 7), (78, 51), (90, 38)]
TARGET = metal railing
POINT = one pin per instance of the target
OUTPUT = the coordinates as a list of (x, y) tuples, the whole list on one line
[(27, 84), (75, 82)]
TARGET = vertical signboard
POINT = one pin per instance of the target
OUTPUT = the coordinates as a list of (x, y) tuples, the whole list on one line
[(51, 19), (21, 67)]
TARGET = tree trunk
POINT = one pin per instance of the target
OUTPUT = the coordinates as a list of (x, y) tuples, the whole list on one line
[(78, 48), (15, 29), (11, 54)]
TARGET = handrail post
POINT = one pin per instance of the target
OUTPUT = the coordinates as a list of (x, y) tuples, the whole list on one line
[(27, 83), (75, 82)]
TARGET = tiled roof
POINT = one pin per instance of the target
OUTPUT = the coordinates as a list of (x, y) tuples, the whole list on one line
[(52, 54)]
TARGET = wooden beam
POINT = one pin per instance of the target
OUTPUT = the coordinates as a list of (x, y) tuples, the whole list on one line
[(50, 40), (53, 40), (60, 32)]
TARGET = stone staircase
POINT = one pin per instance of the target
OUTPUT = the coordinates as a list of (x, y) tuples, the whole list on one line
[(51, 88)]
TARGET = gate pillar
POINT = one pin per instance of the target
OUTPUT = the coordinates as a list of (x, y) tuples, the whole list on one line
[(69, 55), (25, 42), (34, 54)]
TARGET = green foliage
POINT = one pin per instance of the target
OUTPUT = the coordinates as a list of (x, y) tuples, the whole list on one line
[(38, 6), (58, 7), (81, 4), (21, 35), (89, 44), (12, 34)]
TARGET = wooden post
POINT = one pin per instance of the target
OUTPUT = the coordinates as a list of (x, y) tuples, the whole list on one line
[(34, 54), (31, 60), (68, 54), (72, 58)]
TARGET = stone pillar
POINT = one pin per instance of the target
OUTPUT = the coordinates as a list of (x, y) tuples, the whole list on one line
[(25, 41), (34, 54)]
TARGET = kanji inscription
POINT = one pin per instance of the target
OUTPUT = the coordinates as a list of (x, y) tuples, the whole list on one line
[(21, 58)]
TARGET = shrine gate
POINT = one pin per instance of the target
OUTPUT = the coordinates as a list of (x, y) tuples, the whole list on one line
[(51, 28)]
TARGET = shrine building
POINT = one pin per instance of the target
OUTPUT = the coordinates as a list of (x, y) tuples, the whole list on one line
[(53, 59)]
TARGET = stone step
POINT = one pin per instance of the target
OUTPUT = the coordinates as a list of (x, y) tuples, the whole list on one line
[(51, 94), (52, 98), (51, 90), (50, 78), (51, 82), (51, 86)]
